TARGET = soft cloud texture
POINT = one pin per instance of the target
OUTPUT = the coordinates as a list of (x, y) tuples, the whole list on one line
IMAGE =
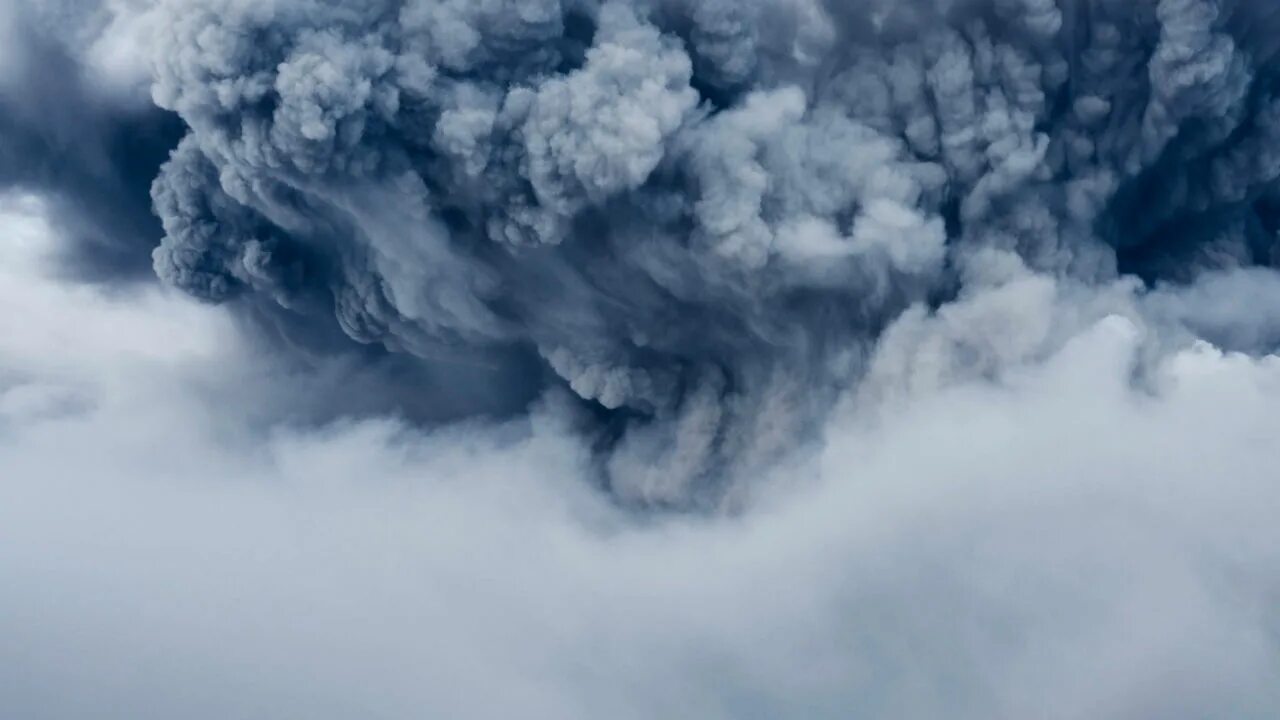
[(1043, 538), (639, 358), (698, 217)]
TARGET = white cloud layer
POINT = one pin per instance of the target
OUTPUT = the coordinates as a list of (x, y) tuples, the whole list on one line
[(1079, 521)]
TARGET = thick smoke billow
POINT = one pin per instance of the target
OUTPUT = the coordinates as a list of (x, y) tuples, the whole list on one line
[(639, 358), (699, 216)]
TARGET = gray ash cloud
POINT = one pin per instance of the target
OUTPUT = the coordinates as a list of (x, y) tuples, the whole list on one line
[(700, 217)]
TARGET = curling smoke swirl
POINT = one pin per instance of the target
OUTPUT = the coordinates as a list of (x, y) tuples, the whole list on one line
[(708, 219)]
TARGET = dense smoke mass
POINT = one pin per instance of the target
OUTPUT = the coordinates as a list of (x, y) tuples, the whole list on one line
[(723, 268), (700, 216)]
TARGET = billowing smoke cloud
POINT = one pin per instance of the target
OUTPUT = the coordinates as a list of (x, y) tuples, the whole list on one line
[(700, 216), (965, 311)]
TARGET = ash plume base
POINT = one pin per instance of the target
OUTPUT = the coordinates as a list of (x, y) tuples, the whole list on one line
[(896, 358)]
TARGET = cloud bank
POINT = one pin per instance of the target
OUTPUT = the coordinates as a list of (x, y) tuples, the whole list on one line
[(572, 358), (1045, 538)]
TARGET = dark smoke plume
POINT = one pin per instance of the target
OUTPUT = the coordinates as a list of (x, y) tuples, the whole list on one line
[(699, 215)]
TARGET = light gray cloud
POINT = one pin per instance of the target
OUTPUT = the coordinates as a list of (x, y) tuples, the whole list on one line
[(1030, 534), (639, 357)]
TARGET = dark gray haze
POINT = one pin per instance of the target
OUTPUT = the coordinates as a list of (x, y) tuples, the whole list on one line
[(91, 149), (697, 215)]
